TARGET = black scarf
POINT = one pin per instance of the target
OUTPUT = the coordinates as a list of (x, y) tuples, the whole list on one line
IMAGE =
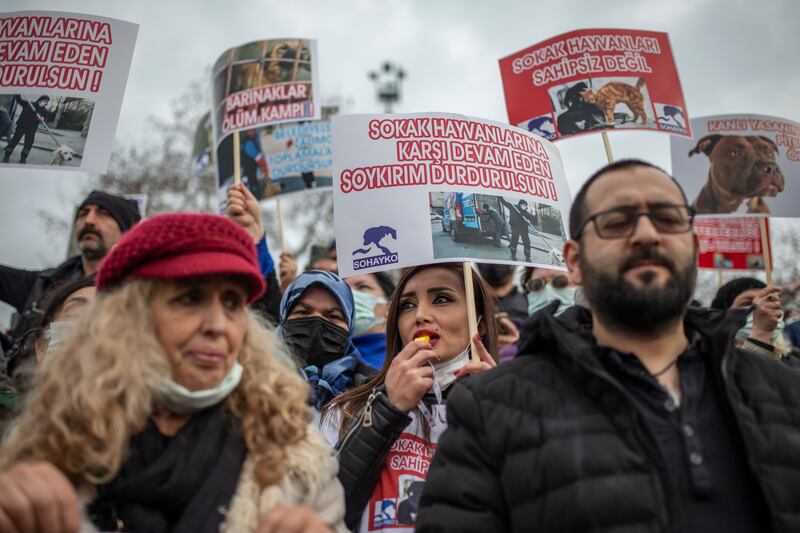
[(177, 484)]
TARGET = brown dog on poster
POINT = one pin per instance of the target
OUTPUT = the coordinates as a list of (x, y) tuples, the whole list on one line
[(742, 167)]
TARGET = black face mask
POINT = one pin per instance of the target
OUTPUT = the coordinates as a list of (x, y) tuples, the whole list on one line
[(314, 340)]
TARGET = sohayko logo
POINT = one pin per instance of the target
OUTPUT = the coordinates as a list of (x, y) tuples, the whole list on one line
[(374, 243), (671, 118)]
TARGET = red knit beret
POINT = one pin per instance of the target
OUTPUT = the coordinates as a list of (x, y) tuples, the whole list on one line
[(182, 245)]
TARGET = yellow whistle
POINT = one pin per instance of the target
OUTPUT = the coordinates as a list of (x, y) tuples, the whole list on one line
[(424, 338)]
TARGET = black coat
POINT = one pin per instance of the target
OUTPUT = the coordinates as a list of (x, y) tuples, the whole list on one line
[(518, 219), (28, 121), (363, 450), (269, 304), (551, 442), (24, 290)]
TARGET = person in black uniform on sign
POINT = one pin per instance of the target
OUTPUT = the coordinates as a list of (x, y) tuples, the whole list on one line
[(519, 219), (27, 124)]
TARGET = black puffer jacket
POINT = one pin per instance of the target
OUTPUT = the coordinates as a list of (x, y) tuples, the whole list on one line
[(363, 450), (551, 442)]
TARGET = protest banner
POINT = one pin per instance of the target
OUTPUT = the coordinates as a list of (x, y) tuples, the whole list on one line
[(257, 85), (280, 159), (62, 79), (732, 243), (595, 80), (202, 147), (141, 202), (743, 164), (433, 188)]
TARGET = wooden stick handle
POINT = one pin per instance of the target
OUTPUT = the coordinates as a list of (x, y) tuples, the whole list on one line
[(237, 167), (762, 222), (607, 144), (472, 315), (280, 224)]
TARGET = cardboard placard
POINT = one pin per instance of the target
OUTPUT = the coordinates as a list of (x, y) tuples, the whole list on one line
[(255, 86), (435, 187), (730, 243), (280, 159), (202, 147), (740, 164), (263, 83), (62, 79), (587, 81)]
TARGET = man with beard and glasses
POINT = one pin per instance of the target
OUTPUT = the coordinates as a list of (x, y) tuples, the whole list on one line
[(640, 415), (99, 222)]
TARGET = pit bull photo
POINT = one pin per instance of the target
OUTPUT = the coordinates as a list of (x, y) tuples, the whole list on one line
[(741, 167)]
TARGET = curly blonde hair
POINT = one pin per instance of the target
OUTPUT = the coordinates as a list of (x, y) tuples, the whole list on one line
[(101, 388)]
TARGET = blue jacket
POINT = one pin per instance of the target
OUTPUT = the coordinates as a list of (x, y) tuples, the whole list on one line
[(373, 348)]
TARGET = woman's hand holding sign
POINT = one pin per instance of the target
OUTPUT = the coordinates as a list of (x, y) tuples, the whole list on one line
[(485, 362), (766, 314), (243, 209)]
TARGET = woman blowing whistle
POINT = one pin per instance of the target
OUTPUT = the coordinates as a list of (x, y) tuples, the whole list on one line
[(388, 428)]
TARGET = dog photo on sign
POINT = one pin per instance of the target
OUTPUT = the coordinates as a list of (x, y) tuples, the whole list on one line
[(41, 129), (740, 163), (742, 169), (495, 228)]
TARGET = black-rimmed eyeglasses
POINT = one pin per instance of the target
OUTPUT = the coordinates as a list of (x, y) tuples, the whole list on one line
[(620, 223)]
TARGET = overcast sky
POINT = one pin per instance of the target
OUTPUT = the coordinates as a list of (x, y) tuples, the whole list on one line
[(733, 56)]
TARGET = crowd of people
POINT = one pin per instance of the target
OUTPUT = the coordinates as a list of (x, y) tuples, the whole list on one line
[(170, 378)]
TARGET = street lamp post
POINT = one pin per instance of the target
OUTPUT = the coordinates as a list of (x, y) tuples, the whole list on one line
[(387, 84)]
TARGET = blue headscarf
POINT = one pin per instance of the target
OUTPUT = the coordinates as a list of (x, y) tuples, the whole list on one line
[(335, 377)]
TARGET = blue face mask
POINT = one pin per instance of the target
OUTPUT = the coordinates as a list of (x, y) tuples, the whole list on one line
[(364, 304), (539, 299)]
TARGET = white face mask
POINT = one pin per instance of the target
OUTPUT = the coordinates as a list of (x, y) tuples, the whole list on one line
[(58, 333), (444, 374), (364, 305), (182, 401), (745, 332), (445, 371), (539, 299)]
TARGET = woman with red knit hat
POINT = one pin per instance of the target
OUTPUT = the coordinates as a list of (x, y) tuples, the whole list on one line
[(170, 409)]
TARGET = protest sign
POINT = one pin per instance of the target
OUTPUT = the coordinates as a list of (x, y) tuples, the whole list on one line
[(202, 147), (394, 502), (594, 80), (62, 78), (434, 187), (280, 159), (740, 164), (141, 202), (731, 243), (257, 85)]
